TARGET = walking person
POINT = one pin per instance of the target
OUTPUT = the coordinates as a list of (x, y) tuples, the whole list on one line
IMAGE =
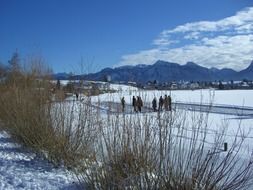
[(166, 103), (139, 103), (154, 104), (123, 102), (169, 102), (161, 101), (134, 103), (77, 95)]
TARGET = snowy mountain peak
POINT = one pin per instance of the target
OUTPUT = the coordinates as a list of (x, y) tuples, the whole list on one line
[(250, 67), (214, 69), (167, 71), (141, 66), (191, 64)]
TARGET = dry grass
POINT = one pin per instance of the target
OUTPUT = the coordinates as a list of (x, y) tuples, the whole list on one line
[(35, 121)]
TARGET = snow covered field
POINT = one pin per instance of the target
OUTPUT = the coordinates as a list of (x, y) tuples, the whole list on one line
[(229, 98), (206, 96), (21, 169)]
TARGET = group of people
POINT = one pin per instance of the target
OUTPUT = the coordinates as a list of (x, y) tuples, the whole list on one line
[(137, 103), (163, 102)]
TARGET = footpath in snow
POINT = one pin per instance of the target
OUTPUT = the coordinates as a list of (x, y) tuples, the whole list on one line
[(21, 169), (115, 107)]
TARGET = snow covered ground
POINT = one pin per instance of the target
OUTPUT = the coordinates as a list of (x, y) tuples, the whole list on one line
[(122, 87), (206, 96), (229, 97), (21, 169), (226, 98)]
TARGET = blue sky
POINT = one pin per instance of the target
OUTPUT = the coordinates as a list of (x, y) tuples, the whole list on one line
[(88, 35)]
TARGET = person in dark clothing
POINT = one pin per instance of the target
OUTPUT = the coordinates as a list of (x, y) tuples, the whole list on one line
[(123, 102), (134, 103), (139, 103), (154, 104), (77, 95), (166, 103), (169, 102), (161, 101)]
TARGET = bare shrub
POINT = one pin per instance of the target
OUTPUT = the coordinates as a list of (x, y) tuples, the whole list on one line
[(34, 120)]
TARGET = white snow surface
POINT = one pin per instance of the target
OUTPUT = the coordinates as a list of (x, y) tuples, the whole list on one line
[(206, 96), (21, 169), (122, 87), (228, 97)]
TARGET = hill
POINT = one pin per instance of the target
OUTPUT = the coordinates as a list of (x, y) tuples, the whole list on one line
[(163, 71)]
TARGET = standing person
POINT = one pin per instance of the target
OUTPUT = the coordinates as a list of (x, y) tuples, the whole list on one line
[(134, 103), (160, 103), (154, 104), (123, 102), (77, 96), (166, 102), (169, 102), (139, 103)]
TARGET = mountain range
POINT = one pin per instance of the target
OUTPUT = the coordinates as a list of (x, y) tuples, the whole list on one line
[(163, 71)]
